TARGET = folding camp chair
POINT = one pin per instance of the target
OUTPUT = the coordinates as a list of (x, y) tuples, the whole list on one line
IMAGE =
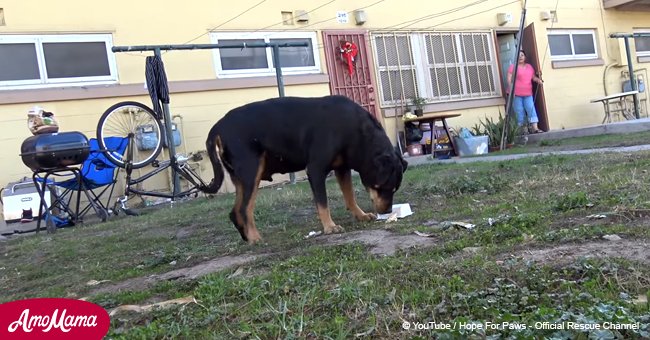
[(95, 177)]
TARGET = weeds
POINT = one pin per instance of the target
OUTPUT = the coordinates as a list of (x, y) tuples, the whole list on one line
[(571, 201), (313, 289)]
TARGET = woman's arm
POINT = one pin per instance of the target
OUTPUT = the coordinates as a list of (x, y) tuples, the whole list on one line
[(537, 76)]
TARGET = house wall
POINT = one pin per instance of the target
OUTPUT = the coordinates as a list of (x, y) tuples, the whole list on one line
[(569, 90), (206, 99)]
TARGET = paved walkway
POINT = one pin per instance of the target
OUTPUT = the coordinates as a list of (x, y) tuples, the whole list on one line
[(427, 159)]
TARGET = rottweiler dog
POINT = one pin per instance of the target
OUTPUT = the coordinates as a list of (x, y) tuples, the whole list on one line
[(291, 134)]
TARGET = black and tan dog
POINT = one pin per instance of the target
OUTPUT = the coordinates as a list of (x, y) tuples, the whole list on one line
[(290, 134)]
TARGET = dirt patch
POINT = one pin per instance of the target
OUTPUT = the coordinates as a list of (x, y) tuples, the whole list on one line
[(636, 250), (189, 273), (384, 242), (381, 242)]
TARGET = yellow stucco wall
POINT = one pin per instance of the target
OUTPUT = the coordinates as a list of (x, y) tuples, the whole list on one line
[(569, 90), (169, 22)]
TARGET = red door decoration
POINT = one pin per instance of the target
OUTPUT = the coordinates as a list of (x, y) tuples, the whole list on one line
[(349, 53)]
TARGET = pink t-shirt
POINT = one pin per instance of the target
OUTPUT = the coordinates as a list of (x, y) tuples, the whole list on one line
[(524, 81)]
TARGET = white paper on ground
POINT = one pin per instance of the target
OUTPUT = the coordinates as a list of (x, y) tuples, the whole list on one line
[(402, 211)]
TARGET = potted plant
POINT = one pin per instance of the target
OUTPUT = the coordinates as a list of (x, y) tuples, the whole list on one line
[(494, 130), (418, 104)]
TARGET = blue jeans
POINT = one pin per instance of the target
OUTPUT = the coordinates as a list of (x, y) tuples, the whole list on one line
[(527, 104)]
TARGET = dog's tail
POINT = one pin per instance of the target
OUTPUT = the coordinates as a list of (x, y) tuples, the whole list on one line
[(212, 143)]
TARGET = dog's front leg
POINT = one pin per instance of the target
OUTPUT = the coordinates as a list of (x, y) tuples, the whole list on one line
[(317, 182), (344, 177)]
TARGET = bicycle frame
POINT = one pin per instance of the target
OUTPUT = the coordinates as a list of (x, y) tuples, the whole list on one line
[(180, 168)]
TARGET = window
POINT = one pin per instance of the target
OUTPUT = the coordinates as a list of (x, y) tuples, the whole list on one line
[(572, 44), (440, 66), (234, 62), (642, 44), (30, 61)]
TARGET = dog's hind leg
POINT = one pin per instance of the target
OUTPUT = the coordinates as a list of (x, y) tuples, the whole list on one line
[(250, 177), (317, 182), (235, 214), (344, 177)]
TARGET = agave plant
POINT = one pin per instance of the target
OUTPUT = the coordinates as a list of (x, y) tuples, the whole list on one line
[(493, 128)]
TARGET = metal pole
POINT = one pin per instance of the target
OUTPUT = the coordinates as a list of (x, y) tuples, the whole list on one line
[(142, 48), (511, 97), (278, 76), (170, 143), (635, 97), (278, 70)]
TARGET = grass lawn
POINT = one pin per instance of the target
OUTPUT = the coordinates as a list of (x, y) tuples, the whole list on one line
[(557, 239), (587, 142)]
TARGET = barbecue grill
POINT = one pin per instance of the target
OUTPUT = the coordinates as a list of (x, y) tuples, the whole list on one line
[(56, 154), (54, 150)]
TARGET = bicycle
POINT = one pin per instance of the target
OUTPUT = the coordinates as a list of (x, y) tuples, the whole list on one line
[(147, 129), (146, 136)]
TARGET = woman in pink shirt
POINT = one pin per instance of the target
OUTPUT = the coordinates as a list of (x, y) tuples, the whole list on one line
[(523, 102)]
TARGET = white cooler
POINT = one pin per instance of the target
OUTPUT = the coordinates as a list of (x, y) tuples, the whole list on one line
[(17, 196)]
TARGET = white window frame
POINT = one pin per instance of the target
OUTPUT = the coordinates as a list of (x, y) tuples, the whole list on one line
[(266, 36), (462, 64), (417, 41), (642, 53), (570, 33), (44, 81)]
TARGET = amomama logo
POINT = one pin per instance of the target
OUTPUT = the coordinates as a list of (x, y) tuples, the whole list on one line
[(53, 318)]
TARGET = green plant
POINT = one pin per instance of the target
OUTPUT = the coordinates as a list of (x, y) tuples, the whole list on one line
[(418, 103), (493, 128), (478, 130)]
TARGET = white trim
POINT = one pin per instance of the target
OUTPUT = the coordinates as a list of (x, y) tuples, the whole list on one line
[(44, 81), (266, 37), (573, 55)]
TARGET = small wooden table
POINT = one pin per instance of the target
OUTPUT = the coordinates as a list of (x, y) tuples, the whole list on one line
[(617, 99), (431, 119)]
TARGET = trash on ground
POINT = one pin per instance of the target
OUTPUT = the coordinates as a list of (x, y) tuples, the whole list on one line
[(399, 210), (597, 216), (612, 237), (464, 225), (495, 220), (392, 217), (419, 233), (95, 282), (313, 234), (146, 308)]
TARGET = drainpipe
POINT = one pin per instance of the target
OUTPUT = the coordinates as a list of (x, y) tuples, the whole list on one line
[(605, 77)]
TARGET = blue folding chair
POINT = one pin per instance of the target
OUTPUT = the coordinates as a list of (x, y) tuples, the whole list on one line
[(95, 177)]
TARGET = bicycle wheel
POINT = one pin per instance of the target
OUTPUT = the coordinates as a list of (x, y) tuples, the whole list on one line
[(137, 122)]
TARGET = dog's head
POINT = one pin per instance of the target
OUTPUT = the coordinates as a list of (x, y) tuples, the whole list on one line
[(384, 179)]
